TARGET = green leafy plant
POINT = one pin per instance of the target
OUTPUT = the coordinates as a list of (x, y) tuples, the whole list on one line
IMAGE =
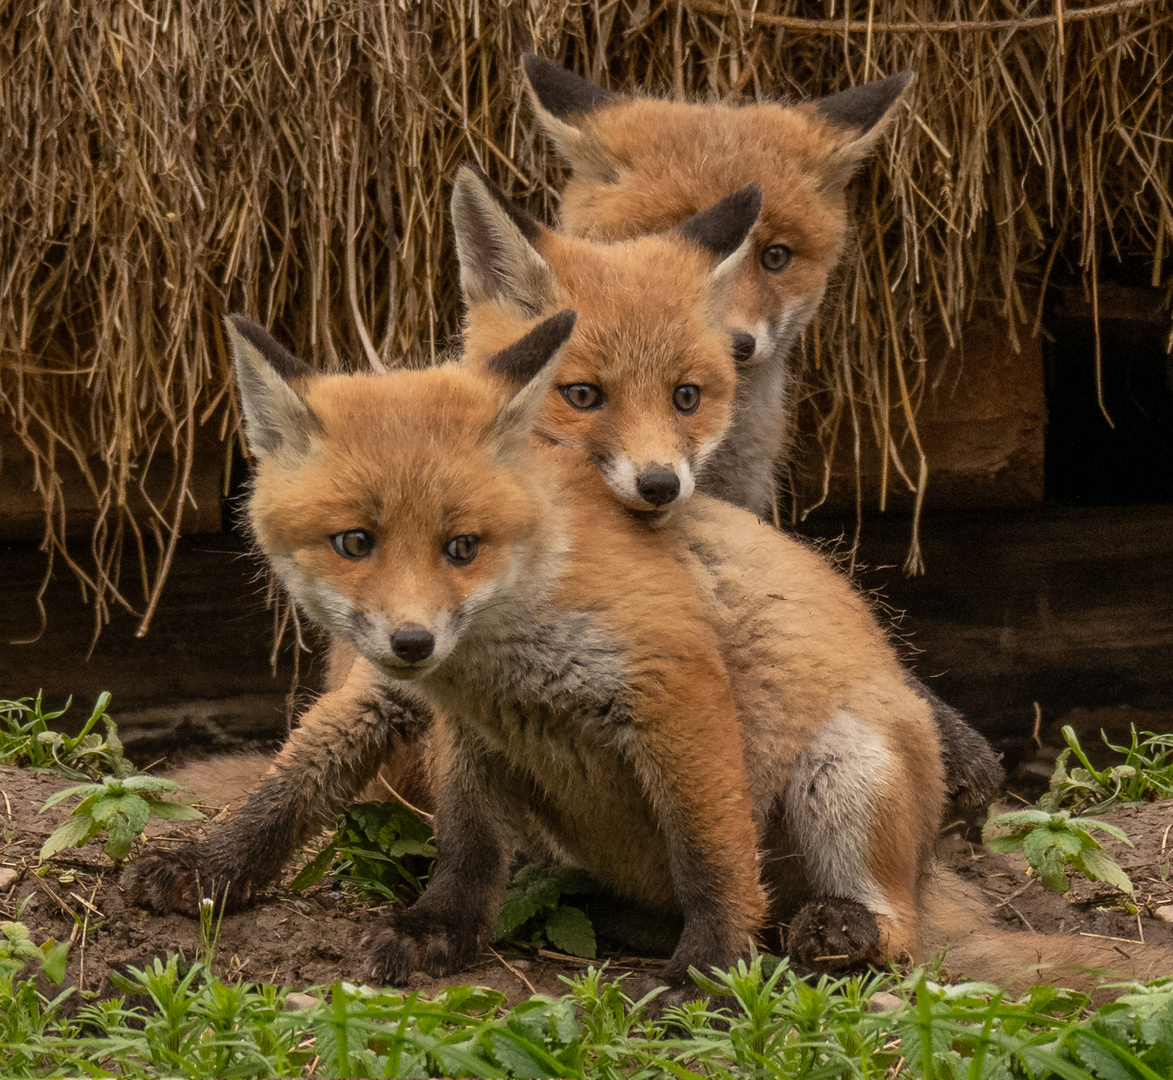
[(1145, 773), (17, 949), (535, 908), (27, 739), (1052, 842), (119, 807), (381, 849)]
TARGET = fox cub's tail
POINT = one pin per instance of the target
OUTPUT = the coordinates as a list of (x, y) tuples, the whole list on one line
[(957, 923)]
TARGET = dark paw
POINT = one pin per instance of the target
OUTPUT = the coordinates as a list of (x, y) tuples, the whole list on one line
[(417, 943), (833, 935), (180, 880)]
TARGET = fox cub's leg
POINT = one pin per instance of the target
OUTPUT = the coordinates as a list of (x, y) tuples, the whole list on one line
[(327, 760), (863, 831), (441, 932)]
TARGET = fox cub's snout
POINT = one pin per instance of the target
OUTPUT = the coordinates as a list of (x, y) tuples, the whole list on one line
[(397, 509)]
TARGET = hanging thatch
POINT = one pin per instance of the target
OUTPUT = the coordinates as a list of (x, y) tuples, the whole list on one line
[(164, 163)]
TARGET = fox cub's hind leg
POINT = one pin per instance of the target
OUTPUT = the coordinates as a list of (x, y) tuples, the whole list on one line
[(862, 844), (326, 762)]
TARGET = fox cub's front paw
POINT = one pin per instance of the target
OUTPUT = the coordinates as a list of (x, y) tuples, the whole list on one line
[(179, 880), (834, 935), (417, 943)]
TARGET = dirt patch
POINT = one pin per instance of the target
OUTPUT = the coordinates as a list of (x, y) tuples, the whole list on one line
[(314, 937)]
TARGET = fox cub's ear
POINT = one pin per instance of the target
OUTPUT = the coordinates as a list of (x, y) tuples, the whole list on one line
[(495, 245), (724, 226), (725, 229), (862, 112), (275, 417), (533, 363), (560, 101)]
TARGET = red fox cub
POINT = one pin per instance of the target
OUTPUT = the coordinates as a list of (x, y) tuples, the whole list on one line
[(575, 658), (641, 165), (578, 685)]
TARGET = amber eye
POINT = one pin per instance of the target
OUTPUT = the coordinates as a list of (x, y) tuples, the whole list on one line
[(686, 398), (582, 395), (461, 550), (776, 257), (354, 543)]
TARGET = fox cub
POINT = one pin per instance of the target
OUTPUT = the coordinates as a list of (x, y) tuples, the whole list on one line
[(577, 661), (642, 165)]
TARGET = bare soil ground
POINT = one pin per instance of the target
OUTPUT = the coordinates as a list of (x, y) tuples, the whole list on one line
[(313, 937)]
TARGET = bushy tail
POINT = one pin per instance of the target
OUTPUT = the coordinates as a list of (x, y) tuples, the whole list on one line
[(957, 923), (223, 780)]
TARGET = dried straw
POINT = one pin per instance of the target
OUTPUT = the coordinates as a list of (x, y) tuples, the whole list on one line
[(165, 163)]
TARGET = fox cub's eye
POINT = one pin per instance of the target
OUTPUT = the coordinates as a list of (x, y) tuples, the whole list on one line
[(687, 398), (582, 395), (776, 257), (353, 544), (461, 550)]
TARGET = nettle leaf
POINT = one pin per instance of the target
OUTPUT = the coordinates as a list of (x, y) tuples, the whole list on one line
[(132, 809), (149, 783), (1110, 829), (1099, 867), (78, 789), (569, 929), (175, 811), (122, 835), (1051, 868), (54, 959), (73, 832), (1020, 817), (312, 872)]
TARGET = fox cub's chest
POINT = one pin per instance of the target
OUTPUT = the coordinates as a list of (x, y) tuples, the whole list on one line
[(540, 688)]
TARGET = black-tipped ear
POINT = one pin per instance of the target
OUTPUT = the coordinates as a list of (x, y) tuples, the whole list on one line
[(723, 227), (861, 108), (495, 247), (522, 360), (276, 419), (535, 359), (560, 92), (279, 357)]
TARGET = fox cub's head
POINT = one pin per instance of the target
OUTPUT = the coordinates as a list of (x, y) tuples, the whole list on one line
[(397, 508), (646, 385), (642, 165)]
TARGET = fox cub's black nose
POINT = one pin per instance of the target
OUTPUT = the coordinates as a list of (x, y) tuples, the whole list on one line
[(743, 346), (658, 485), (412, 643)]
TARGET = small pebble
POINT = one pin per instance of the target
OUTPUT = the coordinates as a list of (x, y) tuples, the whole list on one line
[(1165, 912), (883, 1003), (7, 877), (296, 1002)]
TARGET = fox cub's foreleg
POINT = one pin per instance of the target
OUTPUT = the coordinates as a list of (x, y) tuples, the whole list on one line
[(474, 825), (326, 762)]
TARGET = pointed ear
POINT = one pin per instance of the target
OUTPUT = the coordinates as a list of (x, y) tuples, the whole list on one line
[(862, 112), (495, 245), (533, 363), (560, 100), (723, 227), (726, 230), (275, 417)]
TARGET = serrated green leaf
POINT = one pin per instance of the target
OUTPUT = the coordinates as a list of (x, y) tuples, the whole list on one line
[(1051, 868), (54, 960), (121, 837), (1020, 817), (149, 783), (1106, 826), (569, 929), (1100, 867), (175, 811), (73, 832), (77, 789)]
